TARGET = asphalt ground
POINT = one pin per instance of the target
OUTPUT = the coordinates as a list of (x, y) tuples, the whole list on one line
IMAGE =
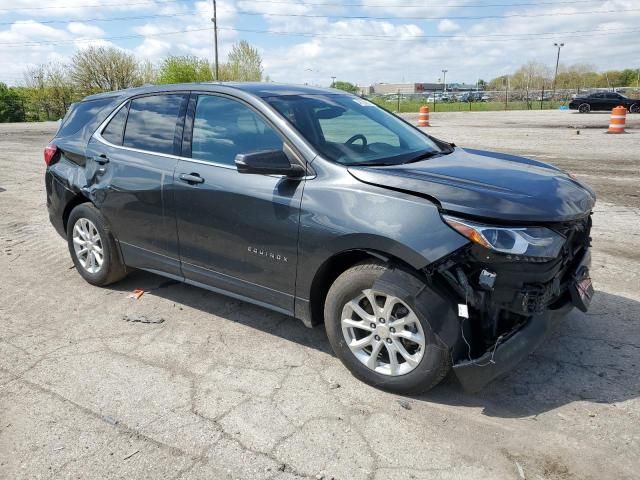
[(184, 383)]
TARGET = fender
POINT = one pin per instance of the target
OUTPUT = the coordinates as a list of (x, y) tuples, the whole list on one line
[(356, 216)]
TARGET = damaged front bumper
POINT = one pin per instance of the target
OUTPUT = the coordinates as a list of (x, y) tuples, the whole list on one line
[(506, 305), (513, 346), (476, 373)]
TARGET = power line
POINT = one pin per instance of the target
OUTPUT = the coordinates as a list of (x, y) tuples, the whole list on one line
[(487, 37), (394, 38), (98, 20), (423, 4), (446, 17), (415, 5), (356, 17), (58, 7), (119, 37)]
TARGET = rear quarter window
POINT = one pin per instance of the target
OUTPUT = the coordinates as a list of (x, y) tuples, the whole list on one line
[(83, 113), (114, 130)]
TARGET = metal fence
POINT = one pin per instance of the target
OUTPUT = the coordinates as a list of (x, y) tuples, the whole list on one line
[(479, 100)]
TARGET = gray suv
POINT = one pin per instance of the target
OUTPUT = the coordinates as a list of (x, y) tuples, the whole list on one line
[(417, 255)]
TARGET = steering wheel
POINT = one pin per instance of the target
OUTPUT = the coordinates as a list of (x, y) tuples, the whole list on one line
[(357, 136)]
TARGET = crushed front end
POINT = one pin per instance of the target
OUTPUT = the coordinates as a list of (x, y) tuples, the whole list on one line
[(508, 302)]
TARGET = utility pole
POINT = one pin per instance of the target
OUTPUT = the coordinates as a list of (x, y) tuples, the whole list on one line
[(333, 82), (506, 92), (555, 76), (444, 80), (214, 20)]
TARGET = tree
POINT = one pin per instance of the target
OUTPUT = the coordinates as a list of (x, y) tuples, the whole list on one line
[(11, 105), (244, 64), (346, 86), (148, 74), (50, 91), (99, 69), (184, 69)]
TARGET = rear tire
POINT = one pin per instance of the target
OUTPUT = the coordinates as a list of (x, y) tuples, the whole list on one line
[(92, 246), (421, 360)]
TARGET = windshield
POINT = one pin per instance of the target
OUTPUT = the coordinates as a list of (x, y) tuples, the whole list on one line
[(352, 131)]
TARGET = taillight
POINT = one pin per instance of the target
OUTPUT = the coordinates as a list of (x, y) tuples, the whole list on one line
[(49, 153)]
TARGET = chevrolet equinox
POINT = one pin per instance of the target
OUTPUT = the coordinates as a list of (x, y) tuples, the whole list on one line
[(417, 255)]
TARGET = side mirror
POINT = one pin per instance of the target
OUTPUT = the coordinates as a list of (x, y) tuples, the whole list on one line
[(268, 162)]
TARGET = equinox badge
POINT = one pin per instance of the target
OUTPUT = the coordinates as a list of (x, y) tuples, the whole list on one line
[(265, 253)]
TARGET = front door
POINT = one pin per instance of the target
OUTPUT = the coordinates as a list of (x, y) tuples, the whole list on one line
[(237, 232)]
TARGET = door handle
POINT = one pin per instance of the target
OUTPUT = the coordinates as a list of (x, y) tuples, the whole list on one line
[(102, 159), (191, 178)]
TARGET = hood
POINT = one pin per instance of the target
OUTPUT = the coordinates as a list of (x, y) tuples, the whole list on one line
[(489, 185)]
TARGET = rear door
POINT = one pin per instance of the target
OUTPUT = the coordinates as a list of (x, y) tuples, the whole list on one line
[(597, 101), (133, 159), (238, 232)]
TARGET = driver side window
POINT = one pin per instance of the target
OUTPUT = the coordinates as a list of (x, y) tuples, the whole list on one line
[(223, 128)]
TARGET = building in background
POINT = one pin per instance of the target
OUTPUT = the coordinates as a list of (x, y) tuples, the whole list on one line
[(412, 88)]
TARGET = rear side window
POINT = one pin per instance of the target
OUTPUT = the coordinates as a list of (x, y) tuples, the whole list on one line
[(153, 121), (115, 128), (223, 128), (80, 114)]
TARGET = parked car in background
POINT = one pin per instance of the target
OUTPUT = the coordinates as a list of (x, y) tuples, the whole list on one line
[(472, 97), (417, 255), (604, 101)]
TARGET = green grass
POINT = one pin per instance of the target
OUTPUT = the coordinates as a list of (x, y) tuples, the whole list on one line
[(408, 106)]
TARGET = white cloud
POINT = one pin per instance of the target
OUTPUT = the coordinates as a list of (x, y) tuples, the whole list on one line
[(349, 49), (467, 57), (30, 31), (447, 26), (84, 30), (71, 8)]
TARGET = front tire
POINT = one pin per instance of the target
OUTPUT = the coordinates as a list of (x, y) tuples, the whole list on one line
[(92, 247), (384, 340), (584, 108), (635, 108)]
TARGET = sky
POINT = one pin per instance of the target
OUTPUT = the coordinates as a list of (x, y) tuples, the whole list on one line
[(311, 41)]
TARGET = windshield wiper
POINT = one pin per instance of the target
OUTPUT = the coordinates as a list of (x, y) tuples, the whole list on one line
[(424, 156), (372, 164)]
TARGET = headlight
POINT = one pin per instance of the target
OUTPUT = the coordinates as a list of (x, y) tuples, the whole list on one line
[(528, 241)]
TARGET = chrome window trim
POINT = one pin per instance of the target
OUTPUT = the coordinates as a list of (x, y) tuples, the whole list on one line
[(98, 135)]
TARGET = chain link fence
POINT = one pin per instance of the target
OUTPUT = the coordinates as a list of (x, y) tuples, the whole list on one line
[(488, 100)]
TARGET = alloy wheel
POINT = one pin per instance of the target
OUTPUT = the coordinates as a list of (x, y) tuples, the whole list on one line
[(383, 333), (87, 245), (584, 108)]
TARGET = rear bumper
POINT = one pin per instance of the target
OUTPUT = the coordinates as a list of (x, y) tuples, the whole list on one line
[(58, 197), (475, 374)]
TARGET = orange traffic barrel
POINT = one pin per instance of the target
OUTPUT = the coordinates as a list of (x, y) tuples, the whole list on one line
[(423, 117), (618, 119)]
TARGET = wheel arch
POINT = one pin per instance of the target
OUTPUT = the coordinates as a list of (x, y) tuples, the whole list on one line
[(338, 263), (76, 200)]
